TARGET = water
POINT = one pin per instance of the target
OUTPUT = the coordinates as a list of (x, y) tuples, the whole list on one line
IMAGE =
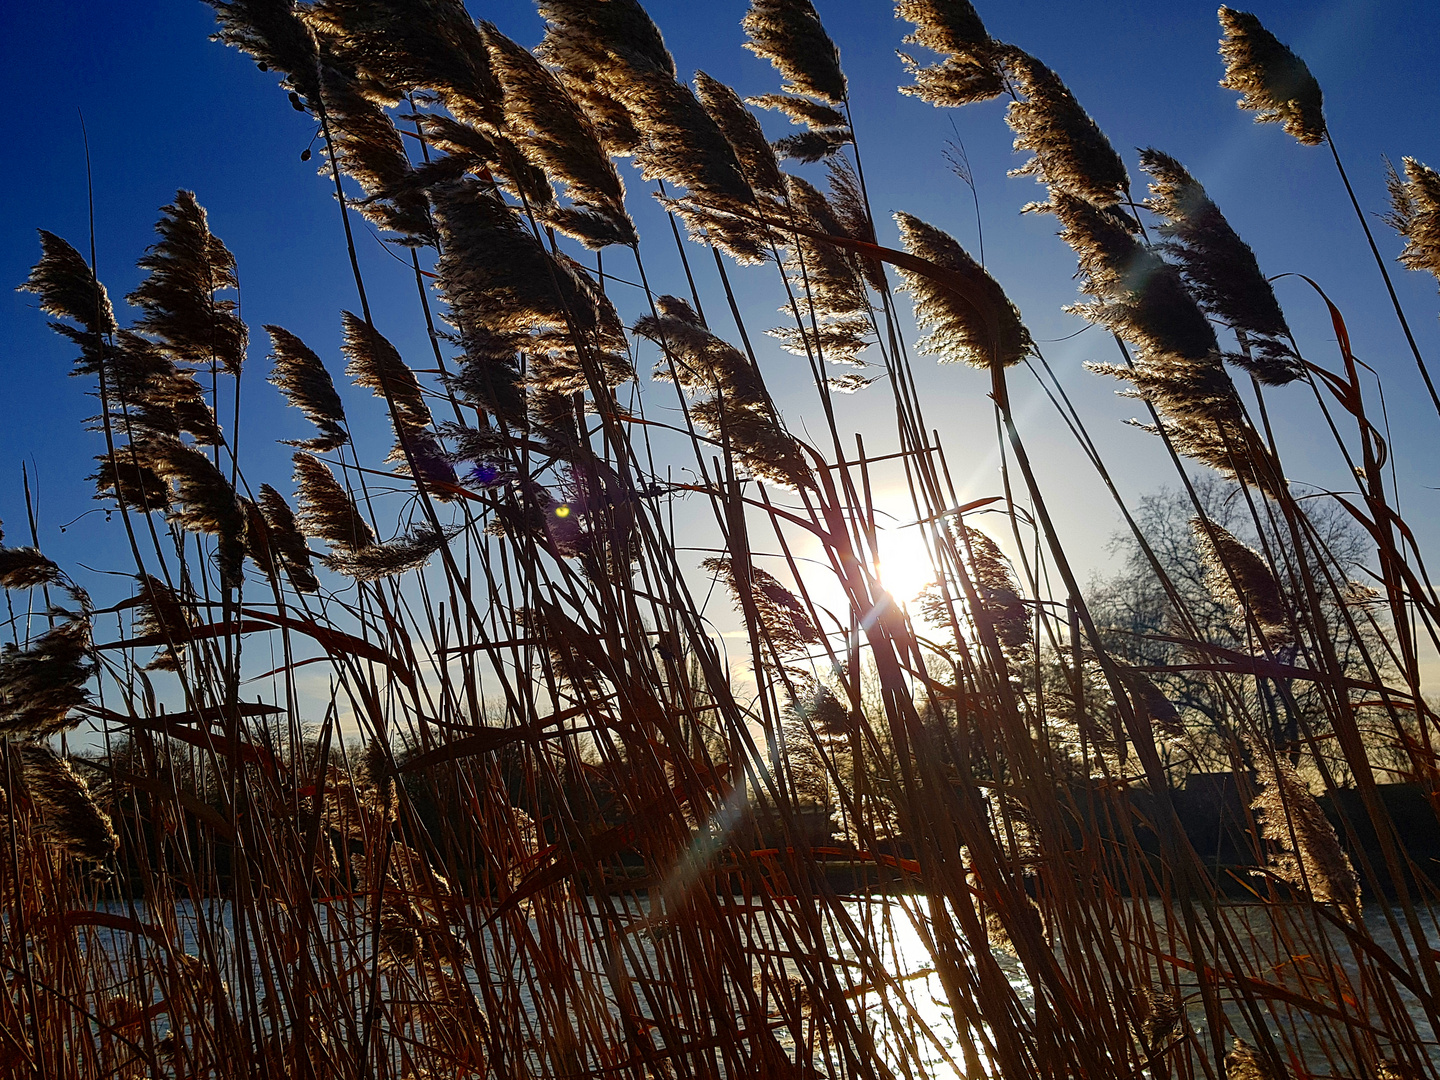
[(904, 1014)]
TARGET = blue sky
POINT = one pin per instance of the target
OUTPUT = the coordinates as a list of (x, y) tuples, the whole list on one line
[(166, 108)]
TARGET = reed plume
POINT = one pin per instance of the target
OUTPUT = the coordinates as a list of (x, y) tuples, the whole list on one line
[(68, 289), (369, 151), (326, 508), (812, 146), (1000, 599), (1306, 853), (42, 683), (597, 48), (160, 612), (971, 70), (980, 328), (286, 540), (559, 138), (306, 384), (403, 45), (26, 568), (743, 131), (789, 34), (782, 618), (1072, 154), (1239, 579), (1151, 704), (73, 821), (148, 394), (374, 561), (274, 35), (800, 110), (827, 280), (828, 129), (1415, 214), (1272, 81), (187, 266), (376, 365), (131, 481), (1160, 1014), (739, 410), (204, 501), (1220, 269)]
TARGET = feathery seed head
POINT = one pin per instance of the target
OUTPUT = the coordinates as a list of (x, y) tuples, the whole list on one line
[(970, 71), (1240, 579), (73, 820), (159, 611), (303, 379), (1220, 268), (1272, 81), (982, 329), (188, 265), (1415, 214), (782, 618), (789, 34), (409, 552), (69, 290), (26, 568), (1072, 154), (41, 683), (326, 508), (1306, 853), (743, 131), (286, 540), (204, 500), (375, 364)]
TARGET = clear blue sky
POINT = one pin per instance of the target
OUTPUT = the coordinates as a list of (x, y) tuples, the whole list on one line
[(167, 108)]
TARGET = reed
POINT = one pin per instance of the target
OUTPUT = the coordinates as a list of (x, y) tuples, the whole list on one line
[(505, 806)]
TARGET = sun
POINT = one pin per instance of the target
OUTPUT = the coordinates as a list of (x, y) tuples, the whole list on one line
[(905, 566)]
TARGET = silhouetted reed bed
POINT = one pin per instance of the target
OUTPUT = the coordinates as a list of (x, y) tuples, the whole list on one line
[(536, 823)]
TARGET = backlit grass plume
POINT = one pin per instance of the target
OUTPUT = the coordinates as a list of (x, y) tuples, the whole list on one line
[(160, 612), (1306, 853), (403, 45), (187, 266), (149, 394), (981, 328), (68, 290), (375, 561), (42, 683), (326, 508), (26, 568), (1000, 599), (782, 618), (376, 365), (1272, 81), (286, 541), (789, 34), (271, 32), (73, 821), (1415, 214), (1072, 154), (368, 150), (1240, 579), (559, 138), (971, 70), (1221, 269), (742, 129), (598, 49), (738, 410), (203, 501), (303, 379)]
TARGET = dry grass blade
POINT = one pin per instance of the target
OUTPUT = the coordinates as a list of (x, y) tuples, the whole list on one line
[(1272, 81)]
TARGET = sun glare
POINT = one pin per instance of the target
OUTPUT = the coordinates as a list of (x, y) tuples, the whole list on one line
[(904, 563)]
